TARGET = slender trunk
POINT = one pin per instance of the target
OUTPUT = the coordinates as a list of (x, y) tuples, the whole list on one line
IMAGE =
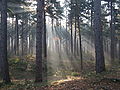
[(45, 45), (29, 35), (22, 38), (92, 16), (115, 49), (29, 47), (3, 43), (75, 37), (60, 25), (32, 42), (45, 39), (107, 46), (104, 44), (26, 38), (71, 30), (71, 38), (60, 50), (66, 47), (77, 48), (17, 36), (12, 45), (12, 38), (52, 24), (66, 20), (119, 51), (8, 44), (112, 35), (80, 42)]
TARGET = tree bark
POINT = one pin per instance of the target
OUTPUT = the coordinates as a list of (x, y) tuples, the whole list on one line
[(17, 36), (80, 42), (112, 35), (45, 39), (100, 63), (71, 38), (75, 38), (22, 41), (3, 43), (40, 28), (119, 51)]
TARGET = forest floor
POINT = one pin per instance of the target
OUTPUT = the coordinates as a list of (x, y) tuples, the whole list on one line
[(86, 79)]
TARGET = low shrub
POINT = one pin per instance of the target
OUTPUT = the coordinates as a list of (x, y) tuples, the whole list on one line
[(18, 64)]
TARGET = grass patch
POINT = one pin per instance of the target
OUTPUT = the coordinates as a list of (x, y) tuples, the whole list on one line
[(75, 74), (23, 85)]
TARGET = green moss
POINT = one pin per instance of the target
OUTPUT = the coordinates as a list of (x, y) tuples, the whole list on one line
[(75, 74)]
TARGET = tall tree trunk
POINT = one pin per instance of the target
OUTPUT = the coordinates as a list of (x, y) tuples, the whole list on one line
[(66, 19), (12, 47), (29, 35), (32, 42), (45, 45), (80, 42), (100, 62), (26, 36), (40, 29), (45, 39), (12, 38), (119, 51), (92, 15), (3, 43), (52, 25), (22, 38), (29, 39), (71, 38), (75, 38), (8, 43), (107, 46), (77, 47), (17, 36), (112, 35), (116, 48), (60, 49)]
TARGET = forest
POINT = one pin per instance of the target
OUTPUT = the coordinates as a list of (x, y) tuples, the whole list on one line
[(59, 44)]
